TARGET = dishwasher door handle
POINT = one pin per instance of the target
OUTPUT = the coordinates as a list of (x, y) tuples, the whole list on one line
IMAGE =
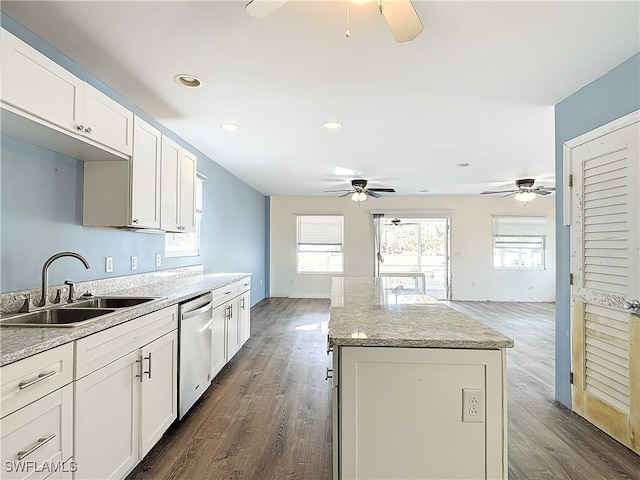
[(197, 311)]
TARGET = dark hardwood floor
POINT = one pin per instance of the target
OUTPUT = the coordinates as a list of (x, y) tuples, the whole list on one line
[(268, 414)]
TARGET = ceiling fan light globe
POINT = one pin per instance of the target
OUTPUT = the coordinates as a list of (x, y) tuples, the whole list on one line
[(362, 196), (525, 196), (354, 197)]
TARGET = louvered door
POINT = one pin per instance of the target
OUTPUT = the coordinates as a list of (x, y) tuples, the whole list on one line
[(605, 263)]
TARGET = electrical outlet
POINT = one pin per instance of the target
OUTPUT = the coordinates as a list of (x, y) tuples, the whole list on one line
[(474, 284), (134, 262), (158, 259), (108, 264), (292, 281), (473, 405)]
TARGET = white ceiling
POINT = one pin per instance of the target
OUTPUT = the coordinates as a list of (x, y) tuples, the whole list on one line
[(477, 86)]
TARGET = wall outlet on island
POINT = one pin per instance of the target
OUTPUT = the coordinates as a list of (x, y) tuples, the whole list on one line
[(134, 262), (158, 259)]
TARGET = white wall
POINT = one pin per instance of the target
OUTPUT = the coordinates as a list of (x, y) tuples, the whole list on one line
[(471, 235)]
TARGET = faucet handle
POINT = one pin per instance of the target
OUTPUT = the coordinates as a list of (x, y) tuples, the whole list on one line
[(26, 305), (72, 289)]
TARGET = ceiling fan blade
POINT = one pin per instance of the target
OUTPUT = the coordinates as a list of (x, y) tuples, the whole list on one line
[(346, 194), (373, 194), (499, 191), (263, 8), (335, 191), (403, 21), (390, 190), (542, 192)]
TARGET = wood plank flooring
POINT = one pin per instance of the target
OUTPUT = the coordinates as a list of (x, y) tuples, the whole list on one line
[(268, 414)]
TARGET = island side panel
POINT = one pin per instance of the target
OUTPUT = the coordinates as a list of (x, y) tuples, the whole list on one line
[(400, 413)]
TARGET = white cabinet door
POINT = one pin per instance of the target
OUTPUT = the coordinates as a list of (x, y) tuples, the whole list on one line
[(218, 340), (106, 121), (233, 328), (38, 86), (38, 433), (244, 314), (187, 203), (158, 389), (107, 420), (170, 209), (145, 175)]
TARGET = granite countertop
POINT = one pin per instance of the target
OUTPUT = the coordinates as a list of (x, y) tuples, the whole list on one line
[(366, 312), (17, 343)]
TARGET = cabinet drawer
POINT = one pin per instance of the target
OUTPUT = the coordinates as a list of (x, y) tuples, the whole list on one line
[(97, 350), (38, 438), (244, 284), (29, 379), (224, 294)]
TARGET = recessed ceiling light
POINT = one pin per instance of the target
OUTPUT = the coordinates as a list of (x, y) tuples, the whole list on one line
[(463, 164), (187, 80), (229, 126), (331, 125), (424, 190)]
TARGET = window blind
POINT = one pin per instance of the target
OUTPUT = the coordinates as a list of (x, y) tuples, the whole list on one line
[(508, 226), (320, 230)]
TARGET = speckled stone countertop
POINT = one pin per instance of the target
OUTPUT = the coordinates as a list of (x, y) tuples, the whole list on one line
[(364, 312), (17, 343)]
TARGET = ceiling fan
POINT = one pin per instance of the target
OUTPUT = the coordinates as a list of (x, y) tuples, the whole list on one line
[(403, 21), (524, 191), (359, 191)]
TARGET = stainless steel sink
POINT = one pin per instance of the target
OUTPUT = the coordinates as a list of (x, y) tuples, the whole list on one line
[(110, 302), (56, 317)]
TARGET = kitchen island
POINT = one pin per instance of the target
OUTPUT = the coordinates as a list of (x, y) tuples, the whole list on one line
[(419, 389)]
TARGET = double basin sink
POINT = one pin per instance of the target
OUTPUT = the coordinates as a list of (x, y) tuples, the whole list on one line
[(74, 314)]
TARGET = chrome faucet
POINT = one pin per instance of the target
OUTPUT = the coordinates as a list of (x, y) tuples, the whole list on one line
[(45, 272)]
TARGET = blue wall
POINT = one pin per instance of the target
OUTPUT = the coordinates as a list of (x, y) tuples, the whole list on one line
[(609, 97), (41, 212)]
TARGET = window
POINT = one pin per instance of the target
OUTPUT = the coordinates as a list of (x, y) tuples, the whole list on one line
[(187, 244), (320, 243), (519, 242)]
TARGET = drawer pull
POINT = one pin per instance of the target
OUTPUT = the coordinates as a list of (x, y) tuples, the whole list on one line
[(329, 374), (42, 376), (41, 442)]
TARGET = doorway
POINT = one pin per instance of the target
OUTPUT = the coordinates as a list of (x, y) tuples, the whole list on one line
[(417, 245)]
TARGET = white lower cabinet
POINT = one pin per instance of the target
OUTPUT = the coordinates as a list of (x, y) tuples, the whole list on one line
[(37, 440), (401, 413), (231, 326), (124, 407), (158, 390), (106, 425), (218, 340)]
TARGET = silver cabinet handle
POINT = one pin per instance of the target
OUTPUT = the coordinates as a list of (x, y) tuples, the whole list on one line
[(148, 372), (329, 346), (329, 374), (42, 376), (140, 369), (633, 305), (41, 442)]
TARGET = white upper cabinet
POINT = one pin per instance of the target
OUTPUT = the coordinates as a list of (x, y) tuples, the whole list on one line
[(145, 175), (106, 121), (126, 193), (178, 188), (47, 105), (39, 86)]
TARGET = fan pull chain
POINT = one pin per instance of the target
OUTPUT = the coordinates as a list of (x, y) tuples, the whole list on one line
[(348, 31)]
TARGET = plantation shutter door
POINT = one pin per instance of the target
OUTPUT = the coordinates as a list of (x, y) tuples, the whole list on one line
[(605, 231)]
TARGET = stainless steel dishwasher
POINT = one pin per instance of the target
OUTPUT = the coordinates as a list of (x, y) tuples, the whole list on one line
[(194, 351)]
